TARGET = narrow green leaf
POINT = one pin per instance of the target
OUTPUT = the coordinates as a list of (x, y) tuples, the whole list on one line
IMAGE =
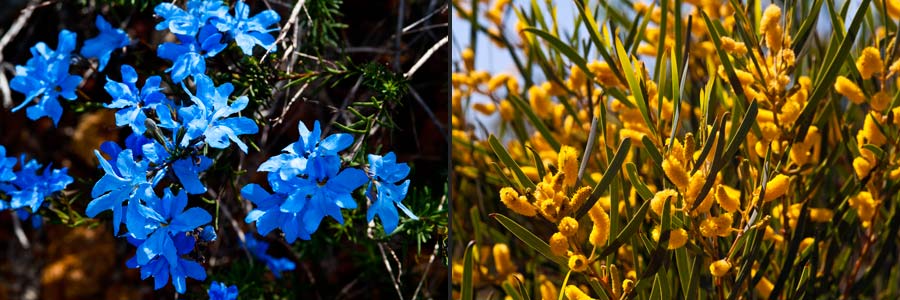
[(529, 239), (511, 164), (611, 171), (563, 48), (468, 266), (628, 231), (634, 84)]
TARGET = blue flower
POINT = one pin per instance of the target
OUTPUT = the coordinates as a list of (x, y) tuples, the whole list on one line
[(326, 196), (258, 249), (189, 57), (104, 44), (46, 75), (218, 291), (386, 173), (250, 31), (6, 166), (186, 169), (268, 215), (309, 151), (126, 181), (208, 117), (158, 221), (32, 188), (182, 22), (160, 269), (131, 101), (208, 234)]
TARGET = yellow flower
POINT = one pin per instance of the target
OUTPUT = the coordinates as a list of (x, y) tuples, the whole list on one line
[(575, 293), (580, 197), (677, 237), (720, 267), (578, 263), (577, 78), (600, 231), (497, 81), (659, 200), (776, 187), (821, 215), (516, 203), (849, 89), (869, 63), (728, 198), (540, 101), (862, 166), (880, 101), (865, 206), (736, 48), (507, 112), (567, 161), (485, 108), (559, 244), (501, 259), (871, 133), (548, 289), (468, 57), (676, 172), (805, 243), (568, 226), (716, 226), (770, 26)]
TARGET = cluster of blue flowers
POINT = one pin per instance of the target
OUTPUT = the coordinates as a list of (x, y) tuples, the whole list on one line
[(309, 184), (45, 77), (26, 189), (218, 291)]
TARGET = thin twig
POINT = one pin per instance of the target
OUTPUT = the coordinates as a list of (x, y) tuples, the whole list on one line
[(416, 23), (430, 114), (427, 268), (425, 57), (400, 11), (294, 13), (20, 234), (390, 270)]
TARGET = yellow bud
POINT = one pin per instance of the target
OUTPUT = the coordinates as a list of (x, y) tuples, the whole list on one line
[(580, 197), (869, 63), (871, 133), (720, 267), (880, 101), (497, 81), (728, 198), (501, 259), (776, 187), (548, 290), (559, 244), (575, 293), (578, 263), (540, 101), (507, 112), (677, 238), (485, 108), (568, 226), (468, 57)]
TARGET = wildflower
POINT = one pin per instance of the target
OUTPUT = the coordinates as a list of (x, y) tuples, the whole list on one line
[(548, 289), (880, 101), (776, 187), (208, 234), (268, 215), (677, 237), (516, 203), (770, 26), (131, 101), (6, 166), (497, 81), (322, 193), (249, 31), (501, 259), (578, 263), (208, 117), (159, 221), (720, 267), (580, 197), (485, 108), (27, 188), (186, 169), (507, 112), (862, 167), (540, 101), (866, 207), (869, 63), (736, 48), (126, 181), (46, 74), (468, 57), (559, 244), (568, 164), (161, 269), (310, 151), (600, 231), (575, 293), (258, 249), (850, 90), (218, 291), (189, 56), (386, 173), (870, 132), (568, 226), (728, 198), (104, 44), (659, 200), (716, 226), (676, 172)]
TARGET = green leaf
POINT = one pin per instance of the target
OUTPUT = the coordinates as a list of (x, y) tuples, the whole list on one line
[(529, 239), (611, 171), (507, 160), (562, 48), (468, 266), (628, 231), (634, 84)]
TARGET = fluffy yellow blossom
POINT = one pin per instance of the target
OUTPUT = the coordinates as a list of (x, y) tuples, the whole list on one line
[(849, 89), (677, 237), (716, 226), (776, 187), (600, 231), (736, 48), (540, 101), (567, 162), (770, 26), (603, 73), (501, 259), (497, 81), (507, 112), (862, 167), (871, 133), (728, 198), (865, 206), (676, 172), (485, 108), (580, 197), (568, 226), (720, 267), (578, 263), (880, 101), (821, 215), (577, 78), (659, 200), (516, 203), (575, 293), (559, 244), (869, 63)]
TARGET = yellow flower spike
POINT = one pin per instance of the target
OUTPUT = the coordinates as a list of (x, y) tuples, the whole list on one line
[(567, 162), (659, 200), (677, 237), (497, 81), (603, 73), (733, 47), (468, 57), (502, 262), (559, 244), (578, 263), (720, 267), (516, 203), (770, 26), (865, 206), (577, 78), (871, 132), (548, 289), (862, 167), (820, 215), (553, 88), (849, 89), (693, 190), (507, 112), (540, 101), (568, 226), (580, 197), (728, 198), (600, 231), (716, 226), (805, 243), (575, 293), (880, 101), (485, 108), (776, 187), (869, 62), (479, 77), (512, 84)]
